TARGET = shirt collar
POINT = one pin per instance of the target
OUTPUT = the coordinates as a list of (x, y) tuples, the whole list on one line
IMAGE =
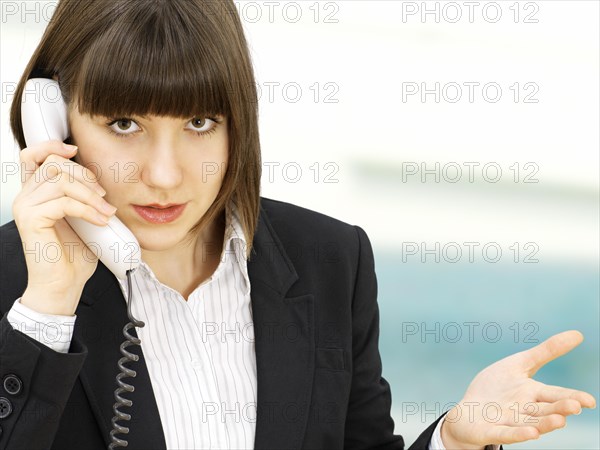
[(234, 246), (234, 242)]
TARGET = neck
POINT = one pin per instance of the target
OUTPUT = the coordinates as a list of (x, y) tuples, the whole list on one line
[(190, 263)]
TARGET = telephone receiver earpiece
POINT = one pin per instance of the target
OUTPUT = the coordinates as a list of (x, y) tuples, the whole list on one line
[(44, 118)]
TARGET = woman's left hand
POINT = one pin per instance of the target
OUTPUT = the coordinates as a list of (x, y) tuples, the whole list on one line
[(504, 405)]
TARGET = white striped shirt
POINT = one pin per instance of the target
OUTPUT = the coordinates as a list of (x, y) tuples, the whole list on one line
[(200, 352)]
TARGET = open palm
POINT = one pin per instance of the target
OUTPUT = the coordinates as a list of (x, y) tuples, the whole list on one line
[(504, 405)]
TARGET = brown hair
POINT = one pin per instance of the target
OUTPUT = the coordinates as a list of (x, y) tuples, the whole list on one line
[(179, 58)]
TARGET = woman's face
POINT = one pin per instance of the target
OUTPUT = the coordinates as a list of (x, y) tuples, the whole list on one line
[(154, 160)]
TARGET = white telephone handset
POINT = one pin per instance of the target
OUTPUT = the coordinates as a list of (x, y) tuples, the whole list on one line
[(46, 119)]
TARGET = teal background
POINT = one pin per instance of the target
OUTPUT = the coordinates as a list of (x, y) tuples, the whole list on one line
[(554, 297)]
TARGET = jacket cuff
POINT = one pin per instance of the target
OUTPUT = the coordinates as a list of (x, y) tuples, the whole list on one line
[(41, 381)]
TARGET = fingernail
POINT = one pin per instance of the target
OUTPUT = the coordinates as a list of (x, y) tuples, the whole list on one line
[(70, 147), (108, 209)]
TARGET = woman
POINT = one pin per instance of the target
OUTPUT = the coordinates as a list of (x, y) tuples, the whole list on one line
[(261, 319)]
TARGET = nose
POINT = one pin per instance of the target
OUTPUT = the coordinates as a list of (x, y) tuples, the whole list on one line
[(162, 168)]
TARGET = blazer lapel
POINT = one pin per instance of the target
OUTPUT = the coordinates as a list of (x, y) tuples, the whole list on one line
[(284, 344), (101, 316)]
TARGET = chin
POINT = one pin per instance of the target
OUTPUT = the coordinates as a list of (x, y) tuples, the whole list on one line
[(154, 247), (159, 239)]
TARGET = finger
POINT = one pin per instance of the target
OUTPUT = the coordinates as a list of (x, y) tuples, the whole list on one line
[(33, 157), (551, 348), (50, 212), (543, 424), (56, 168), (539, 415), (563, 407), (75, 190), (551, 394)]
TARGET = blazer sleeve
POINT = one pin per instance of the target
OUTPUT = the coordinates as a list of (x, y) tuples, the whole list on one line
[(368, 422), (36, 384)]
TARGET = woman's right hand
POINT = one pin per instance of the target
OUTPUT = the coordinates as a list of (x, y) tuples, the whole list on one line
[(58, 262)]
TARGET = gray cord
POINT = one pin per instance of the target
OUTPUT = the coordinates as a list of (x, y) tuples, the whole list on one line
[(124, 372)]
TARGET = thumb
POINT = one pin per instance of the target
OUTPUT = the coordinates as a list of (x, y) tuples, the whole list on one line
[(553, 347)]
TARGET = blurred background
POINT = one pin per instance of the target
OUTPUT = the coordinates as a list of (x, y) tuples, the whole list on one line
[(464, 140)]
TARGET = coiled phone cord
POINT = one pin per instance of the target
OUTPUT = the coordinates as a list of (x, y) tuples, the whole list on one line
[(124, 372)]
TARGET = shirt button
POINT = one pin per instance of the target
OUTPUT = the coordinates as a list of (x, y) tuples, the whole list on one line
[(12, 384), (5, 407)]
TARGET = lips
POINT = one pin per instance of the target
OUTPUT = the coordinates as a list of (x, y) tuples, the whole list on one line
[(160, 214), (157, 206)]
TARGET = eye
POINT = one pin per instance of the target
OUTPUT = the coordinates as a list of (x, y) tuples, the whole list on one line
[(202, 125), (123, 127)]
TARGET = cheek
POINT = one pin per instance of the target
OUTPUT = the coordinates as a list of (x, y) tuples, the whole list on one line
[(210, 169), (86, 138), (93, 156), (88, 156)]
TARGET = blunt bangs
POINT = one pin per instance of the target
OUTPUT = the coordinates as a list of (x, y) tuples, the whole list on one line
[(180, 58), (156, 61)]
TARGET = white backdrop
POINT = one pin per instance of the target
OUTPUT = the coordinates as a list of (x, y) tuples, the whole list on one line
[(345, 129)]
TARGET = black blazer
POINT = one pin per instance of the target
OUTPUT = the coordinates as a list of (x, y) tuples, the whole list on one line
[(316, 325)]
